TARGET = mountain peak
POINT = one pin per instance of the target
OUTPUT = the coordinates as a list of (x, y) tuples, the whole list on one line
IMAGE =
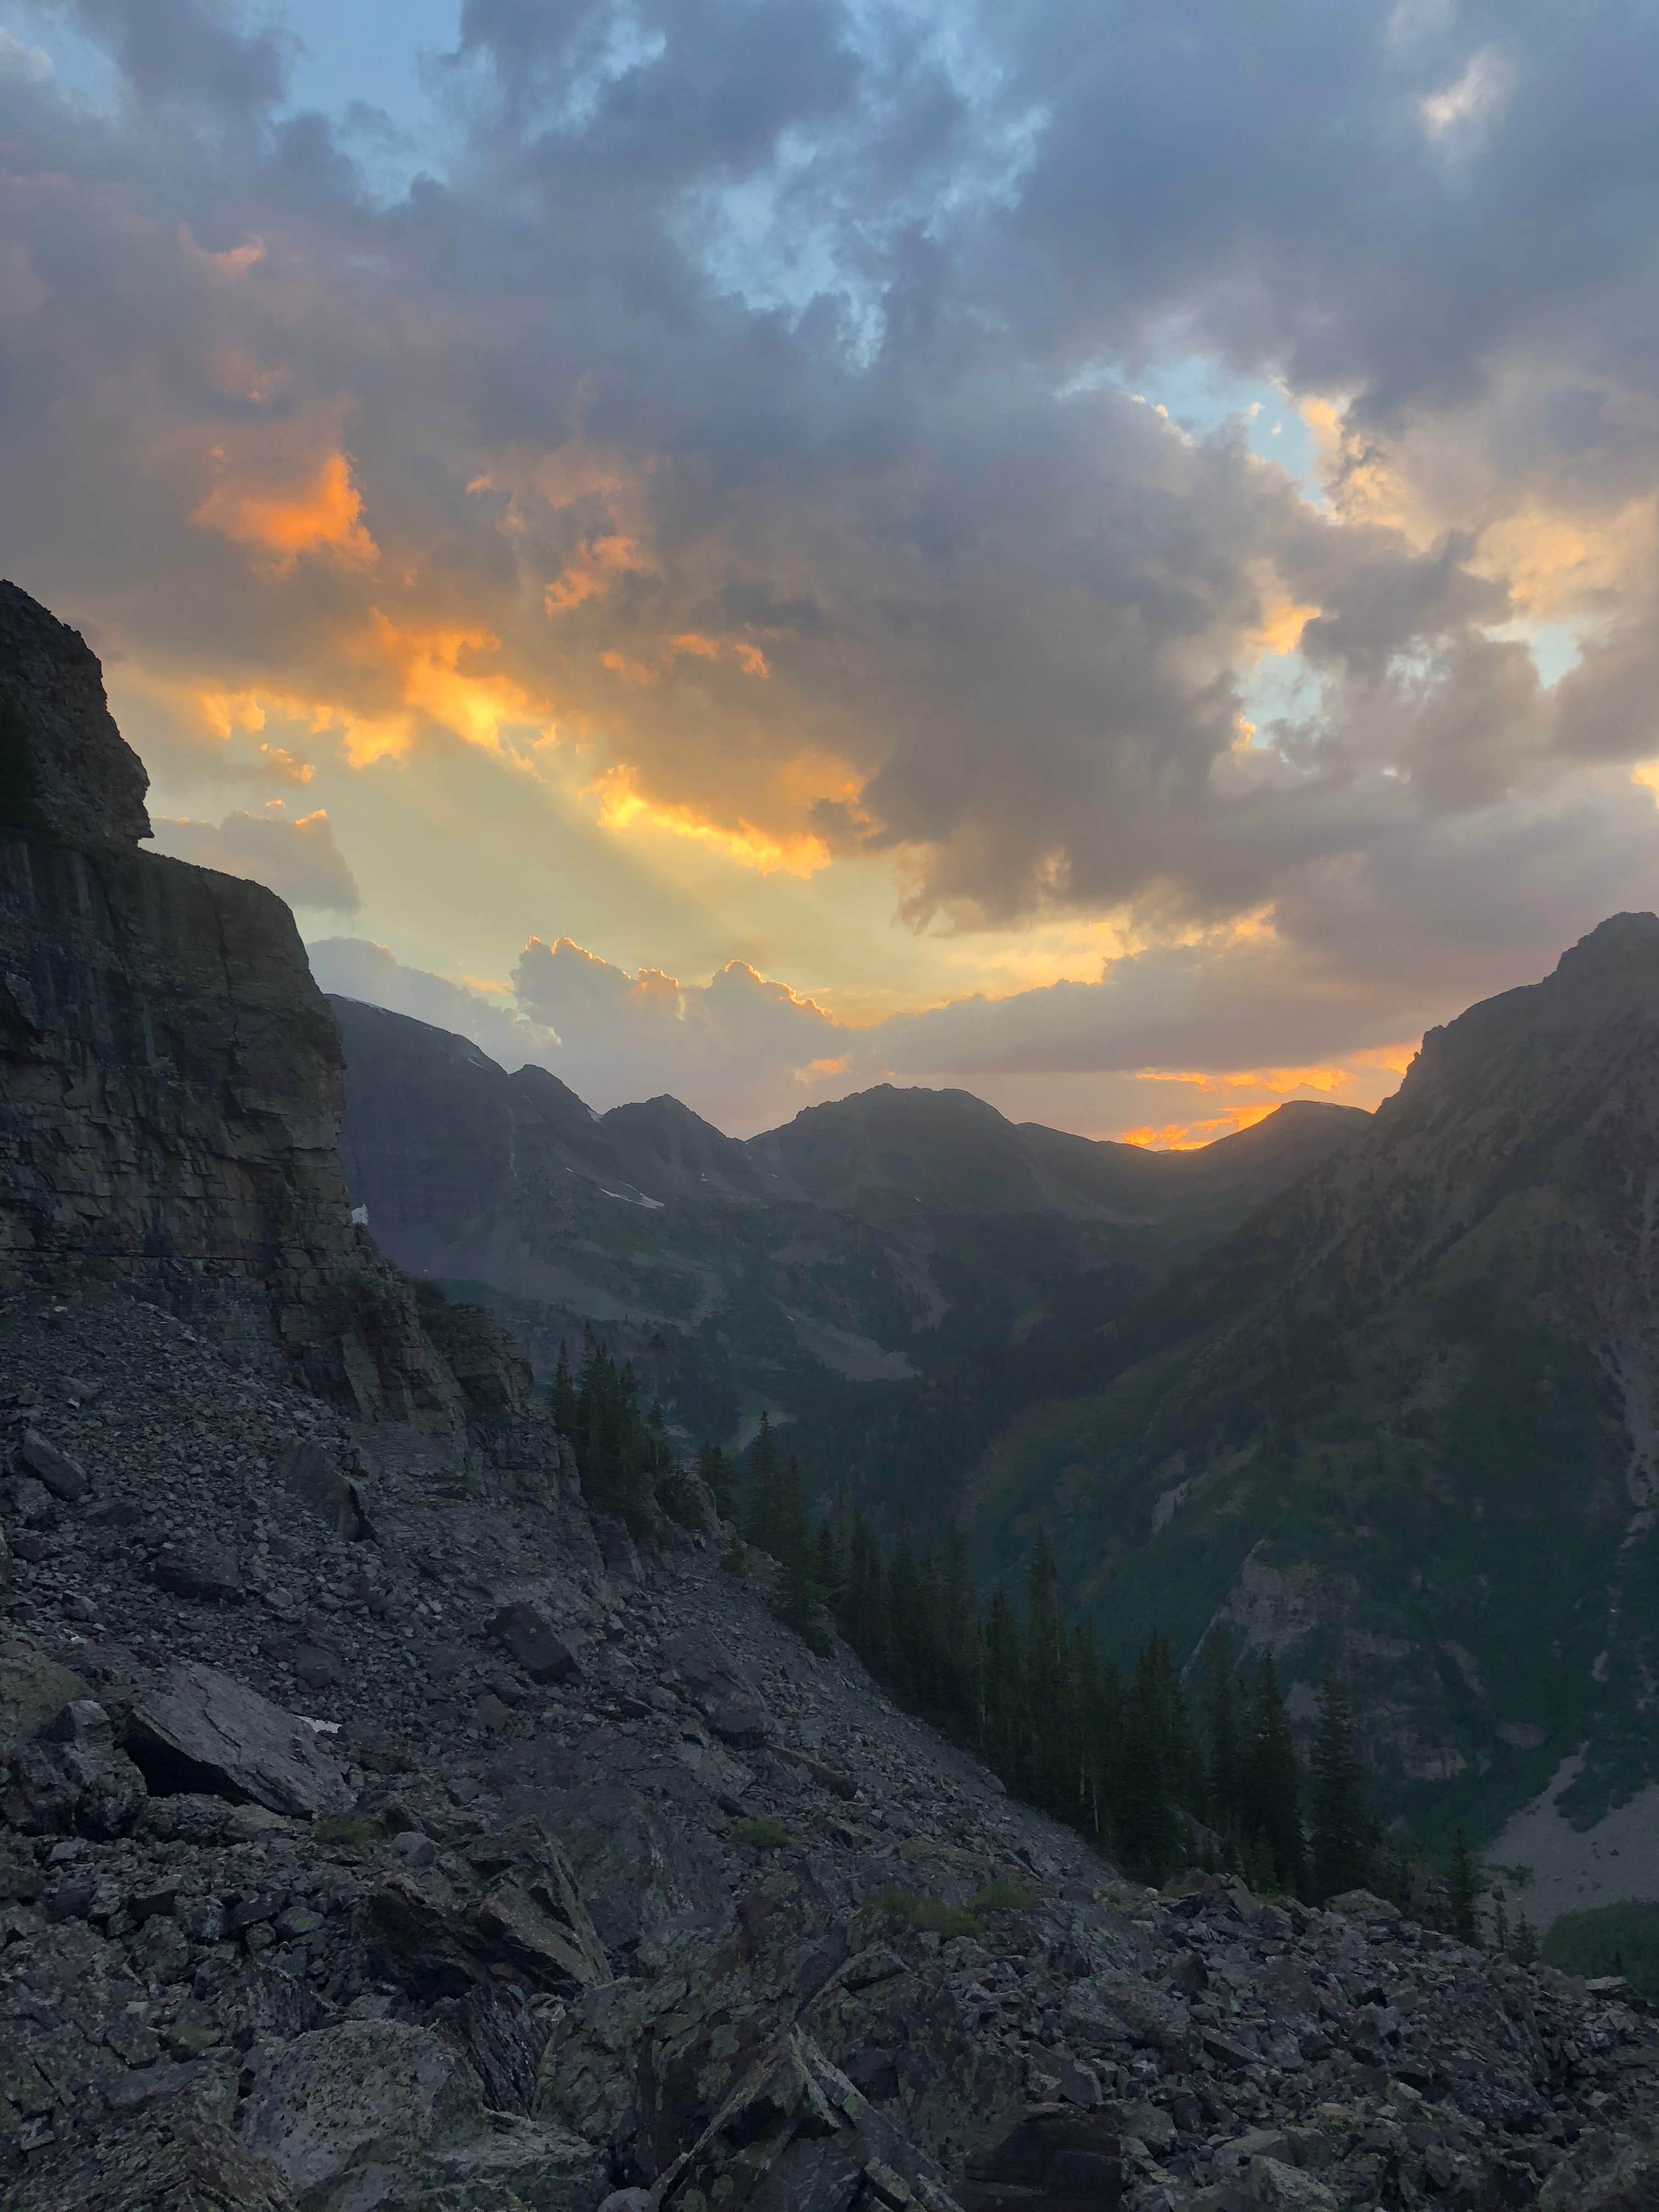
[(1621, 943), (66, 772)]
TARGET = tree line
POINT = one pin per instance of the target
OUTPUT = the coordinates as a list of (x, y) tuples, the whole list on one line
[(1159, 1776), (1158, 1772)]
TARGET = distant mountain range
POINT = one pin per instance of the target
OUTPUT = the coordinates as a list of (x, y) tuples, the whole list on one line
[(874, 1242)]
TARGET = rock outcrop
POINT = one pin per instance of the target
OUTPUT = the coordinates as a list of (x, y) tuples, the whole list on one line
[(170, 1077)]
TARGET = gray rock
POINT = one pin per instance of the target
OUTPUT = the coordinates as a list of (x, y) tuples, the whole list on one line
[(65, 1478), (723, 1693), (204, 1731), (211, 1572), (530, 1636), (312, 1475), (1361, 1904), (1281, 2188), (33, 1688), (156, 2157), (343, 2110)]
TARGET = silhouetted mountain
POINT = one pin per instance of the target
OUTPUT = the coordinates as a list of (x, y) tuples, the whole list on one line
[(858, 1249)]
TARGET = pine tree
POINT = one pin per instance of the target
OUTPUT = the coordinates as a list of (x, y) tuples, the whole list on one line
[(1155, 1764), (761, 1519), (718, 1473), (1342, 1828), (1463, 1888), (561, 1395), (1500, 1919), (1523, 1945), (1271, 1780), (1221, 1738)]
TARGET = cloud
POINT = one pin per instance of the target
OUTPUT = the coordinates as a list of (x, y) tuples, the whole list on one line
[(736, 436), (297, 859), (740, 1049)]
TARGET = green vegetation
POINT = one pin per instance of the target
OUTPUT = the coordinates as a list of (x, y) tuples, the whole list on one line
[(1122, 1760), (1610, 1939), (759, 1835), (930, 1916), (624, 1456)]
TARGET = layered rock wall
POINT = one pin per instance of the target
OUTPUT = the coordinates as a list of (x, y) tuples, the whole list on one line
[(171, 1080)]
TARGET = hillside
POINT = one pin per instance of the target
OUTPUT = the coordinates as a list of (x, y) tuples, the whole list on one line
[(842, 1270), (1401, 1420)]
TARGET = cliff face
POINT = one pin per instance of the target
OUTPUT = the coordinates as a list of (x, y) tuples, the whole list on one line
[(171, 1080)]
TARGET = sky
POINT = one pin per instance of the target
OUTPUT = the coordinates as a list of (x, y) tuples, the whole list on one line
[(1101, 555)]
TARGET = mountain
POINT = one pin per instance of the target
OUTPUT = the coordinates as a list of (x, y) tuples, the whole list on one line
[(1402, 1420), (870, 1244)]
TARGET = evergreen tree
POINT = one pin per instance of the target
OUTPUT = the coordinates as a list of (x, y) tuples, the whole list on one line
[(1463, 1888), (1523, 1945), (1342, 1827), (765, 1470), (562, 1396), (1222, 1806), (1271, 1781), (1155, 1764), (1500, 1919), (720, 1474)]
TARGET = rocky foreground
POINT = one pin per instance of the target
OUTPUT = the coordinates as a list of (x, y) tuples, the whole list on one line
[(383, 1829)]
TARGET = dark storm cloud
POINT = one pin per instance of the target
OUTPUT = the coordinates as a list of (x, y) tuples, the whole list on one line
[(813, 309)]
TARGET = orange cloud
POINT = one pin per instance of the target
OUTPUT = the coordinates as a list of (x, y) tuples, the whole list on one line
[(1279, 1080), (324, 515), (430, 666), (691, 643), (1187, 1136), (623, 807), (631, 671), (593, 567)]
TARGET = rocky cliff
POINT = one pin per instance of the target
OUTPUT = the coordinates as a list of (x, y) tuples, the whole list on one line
[(170, 1077)]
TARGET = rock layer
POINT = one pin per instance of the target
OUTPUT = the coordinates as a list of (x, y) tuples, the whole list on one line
[(170, 1077)]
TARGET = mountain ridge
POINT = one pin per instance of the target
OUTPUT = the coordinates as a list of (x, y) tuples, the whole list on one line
[(1400, 1420), (766, 1273)]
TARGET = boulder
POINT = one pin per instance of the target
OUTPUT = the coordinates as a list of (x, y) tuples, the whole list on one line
[(345, 2110), (311, 1474), (65, 1478), (33, 1688), (530, 1636), (723, 1693), (1281, 2188), (204, 1731), (209, 1571)]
